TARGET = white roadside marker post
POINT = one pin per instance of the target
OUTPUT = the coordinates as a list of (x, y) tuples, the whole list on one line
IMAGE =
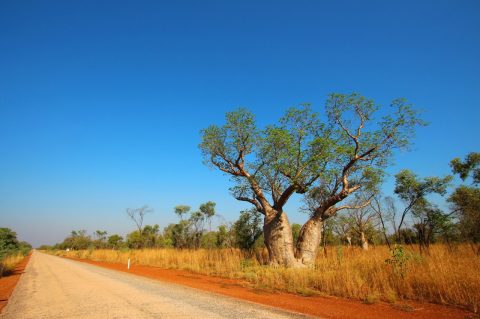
[(128, 265)]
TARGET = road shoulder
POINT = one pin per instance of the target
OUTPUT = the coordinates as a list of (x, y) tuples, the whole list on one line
[(8, 283)]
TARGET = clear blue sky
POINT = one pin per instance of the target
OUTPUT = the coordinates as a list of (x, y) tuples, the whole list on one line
[(101, 102)]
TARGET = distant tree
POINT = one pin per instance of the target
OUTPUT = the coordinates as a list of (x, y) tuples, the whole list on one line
[(180, 235), (208, 210), (135, 240), (413, 191), (150, 236), (78, 240), (8, 239), (469, 167), (431, 222), (341, 228), (386, 212), (223, 237), (362, 222), (209, 240), (100, 238), (115, 241), (8, 242), (197, 220), (406, 235), (466, 199), (181, 210), (45, 247), (137, 215), (196, 226), (300, 154), (167, 238)]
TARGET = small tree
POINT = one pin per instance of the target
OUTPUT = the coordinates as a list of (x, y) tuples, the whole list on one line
[(8, 242), (362, 221), (431, 221), (137, 215), (181, 210), (466, 199), (151, 235), (101, 237), (413, 190), (78, 239), (386, 212), (248, 228), (223, 237), (208, 211), (115, 241)]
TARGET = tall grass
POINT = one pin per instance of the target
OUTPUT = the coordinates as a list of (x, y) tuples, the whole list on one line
[(446, 275), (8, 263)]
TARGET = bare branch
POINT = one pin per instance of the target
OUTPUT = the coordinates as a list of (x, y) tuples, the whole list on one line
[(251, 201)]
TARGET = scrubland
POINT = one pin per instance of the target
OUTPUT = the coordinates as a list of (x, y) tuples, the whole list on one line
[(446, 275)]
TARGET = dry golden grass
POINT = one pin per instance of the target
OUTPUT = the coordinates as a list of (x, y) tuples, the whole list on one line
[(8, 263), (446, 275)]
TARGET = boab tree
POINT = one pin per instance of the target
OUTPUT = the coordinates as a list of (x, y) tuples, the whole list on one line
[(326, 160)]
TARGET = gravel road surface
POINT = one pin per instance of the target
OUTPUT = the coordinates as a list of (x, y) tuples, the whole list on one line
[(53, 287)]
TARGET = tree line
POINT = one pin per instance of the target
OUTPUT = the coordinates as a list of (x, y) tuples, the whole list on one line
[(193, 231)]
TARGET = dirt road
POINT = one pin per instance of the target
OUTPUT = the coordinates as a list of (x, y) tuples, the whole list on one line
[(53, 287)]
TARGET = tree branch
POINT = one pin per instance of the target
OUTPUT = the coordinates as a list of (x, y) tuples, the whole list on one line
[(251, 201)]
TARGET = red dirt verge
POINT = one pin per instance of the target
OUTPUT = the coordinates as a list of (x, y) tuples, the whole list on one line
[(325, 307), (8, 283)]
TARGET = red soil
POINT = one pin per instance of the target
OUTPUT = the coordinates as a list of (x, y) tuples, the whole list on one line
[(325, 307), (8, 283)]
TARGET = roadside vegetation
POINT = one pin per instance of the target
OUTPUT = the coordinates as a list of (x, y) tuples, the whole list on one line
[(11, 251)]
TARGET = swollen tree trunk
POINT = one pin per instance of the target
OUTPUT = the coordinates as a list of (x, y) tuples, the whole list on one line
[(364, 241), (279, 239), (349, 240), (309, 241)]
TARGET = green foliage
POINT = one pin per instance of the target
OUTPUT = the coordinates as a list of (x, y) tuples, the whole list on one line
[(135, 240), (181, 210), (466, 199), (296, 231), (469, 166), (77, 240), (411, 189), (222, 237), (248, 229), (399, 260), (115, 241), (432, 222), (405, 235), (180, 235), (8, 241), (9, 244), (466, 202), (209, 240), (208, 209)]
